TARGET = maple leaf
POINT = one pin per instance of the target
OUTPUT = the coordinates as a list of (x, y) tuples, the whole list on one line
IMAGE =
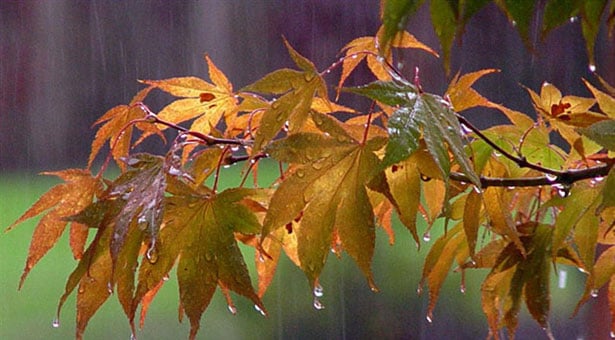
[(448, 248), (515, 276), (206, 103), (298, 90), (60, 202), (565, 113), (331, 172), (367, 48), (463, 96), (199, 229), (420, 115), (118, 129)]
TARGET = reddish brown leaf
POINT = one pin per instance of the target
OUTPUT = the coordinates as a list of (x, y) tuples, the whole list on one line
[(60, 202)]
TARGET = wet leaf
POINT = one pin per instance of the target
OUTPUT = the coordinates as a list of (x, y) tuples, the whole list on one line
[(463, 96), (602, 133), (395, 14), (57, 204), (117, 129), (331, 178), (420, 113), (367, 48), (293, 106), (439, 260)]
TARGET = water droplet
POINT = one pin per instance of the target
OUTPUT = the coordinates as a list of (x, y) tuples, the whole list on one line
[(317, 165), (582, 270), (425, 178), (594, 293), (300, 173), (462, 288), (235, 148), (152, 253), (110, 287), (465, 130), (592, 68), (81, 290), (318, 305), (477, 189), (612, 334), (380, 59), (260, 310), (133, 336), (426, 236), (419, 289), (562, 190), (573, 19), (232, 309), (562, 278), (497, 154), (354, 56), (261, 258), (428, 318), (551, 178), (514, 23), (318, 291), (598, 179), (55, 323), (226, 166), (165, 278)]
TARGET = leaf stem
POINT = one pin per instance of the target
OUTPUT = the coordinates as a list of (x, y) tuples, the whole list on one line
[(206, 139), (566, 178), (522, 162)]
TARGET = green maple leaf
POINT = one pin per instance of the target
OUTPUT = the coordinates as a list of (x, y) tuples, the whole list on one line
[(328, 185), (420, 115), (199, 229), (297, 88)]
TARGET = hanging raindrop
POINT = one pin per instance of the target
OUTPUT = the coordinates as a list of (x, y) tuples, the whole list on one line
[(260, 310), (55, 323), (233, 309), (152, 253), (427, 236), (594, 293), (317, 304), (318, 291), (612, 334), (551, 178), (592, 68), (428, 318)]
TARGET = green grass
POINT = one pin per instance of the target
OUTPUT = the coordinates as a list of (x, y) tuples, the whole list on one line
[(352, 310)]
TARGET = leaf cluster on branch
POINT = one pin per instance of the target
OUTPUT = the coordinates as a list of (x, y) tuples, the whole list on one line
[(413, 153)]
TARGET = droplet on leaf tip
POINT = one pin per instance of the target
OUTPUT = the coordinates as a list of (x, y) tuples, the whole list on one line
[(462, 288), (428, 318), (110, 287), (592, 68), (233, 309), (427, 237), (573, 19), (165, 278), (260, 310), (318, 305), (594, 293), (318, 291), (612, 334), (55, 323), (133, 336)]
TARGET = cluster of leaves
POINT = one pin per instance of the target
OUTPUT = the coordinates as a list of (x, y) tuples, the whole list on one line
[(449, 18), (534, 203)]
